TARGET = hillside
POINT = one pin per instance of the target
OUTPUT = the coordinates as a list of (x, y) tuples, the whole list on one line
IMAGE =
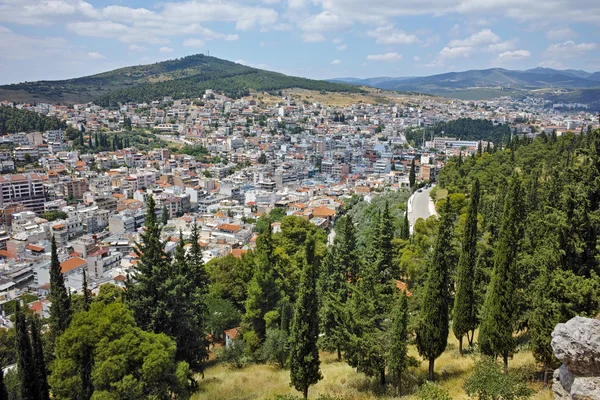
[(494, 82), (185, 77), (13, 120)]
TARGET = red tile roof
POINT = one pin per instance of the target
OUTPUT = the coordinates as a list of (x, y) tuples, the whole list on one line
[(71, 264)]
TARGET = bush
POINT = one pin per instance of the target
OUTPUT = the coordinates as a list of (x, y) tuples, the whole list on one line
[(275, 348), (235, 354), (431, 391), (490, 382)]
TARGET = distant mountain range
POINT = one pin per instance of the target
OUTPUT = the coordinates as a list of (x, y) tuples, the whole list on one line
[(536, 78), (184, 77), (580, 86)]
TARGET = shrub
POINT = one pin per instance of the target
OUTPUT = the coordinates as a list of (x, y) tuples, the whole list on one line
[(490, 382)]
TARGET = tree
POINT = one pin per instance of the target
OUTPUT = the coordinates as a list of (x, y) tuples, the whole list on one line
[(499, 309), (3, 391), (60, 308), (41, 375), (398, 353), (465, 306), (262, 158), (405, 226), (25, 362), (304, 354), (412, 174), (86, 293), (263, 291), (129, 363), (432, 329), (164, 217)]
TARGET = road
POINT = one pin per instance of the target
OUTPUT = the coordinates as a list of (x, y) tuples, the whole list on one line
[(420, 205)]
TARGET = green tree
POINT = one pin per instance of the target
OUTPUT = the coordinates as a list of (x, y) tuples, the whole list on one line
[(86, 292), (304, 354), (432, 329), (3, 391), (39, 363), (465, 307), (164, 217), (262, 158), (25, 362), (129, 363), (263, 291), (499, 309), (60, 308), (412, 174), (398, 353)]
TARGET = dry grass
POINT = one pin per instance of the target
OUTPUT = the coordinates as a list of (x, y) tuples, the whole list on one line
[(340, 380)]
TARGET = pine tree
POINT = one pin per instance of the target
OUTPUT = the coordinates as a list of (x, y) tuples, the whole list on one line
[(39, 363), (498, 321), (432, 329), (304, 358), (398, 353), (412, 174), (25, 363), (164, 218), (60, 308), (465, 307)]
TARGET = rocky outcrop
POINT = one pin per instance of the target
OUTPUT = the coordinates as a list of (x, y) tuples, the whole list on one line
[(576, 344)]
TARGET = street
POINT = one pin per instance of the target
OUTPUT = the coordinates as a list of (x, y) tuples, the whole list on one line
[(420, 205)]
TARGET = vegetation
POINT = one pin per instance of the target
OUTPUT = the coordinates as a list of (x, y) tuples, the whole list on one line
[(186, 77), (13, 120), (473, 129)]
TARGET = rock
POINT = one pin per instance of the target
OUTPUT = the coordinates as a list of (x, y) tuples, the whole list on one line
[(586, 388), (577, 344)]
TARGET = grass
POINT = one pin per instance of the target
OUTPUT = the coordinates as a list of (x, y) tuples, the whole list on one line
[(340, 380)]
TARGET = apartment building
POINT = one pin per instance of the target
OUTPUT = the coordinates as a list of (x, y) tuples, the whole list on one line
[(25, 189)]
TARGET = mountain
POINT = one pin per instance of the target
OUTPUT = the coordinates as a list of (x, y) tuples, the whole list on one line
[(184, 77)]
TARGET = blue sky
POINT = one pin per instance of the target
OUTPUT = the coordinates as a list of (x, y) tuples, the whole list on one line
[(57, 39)]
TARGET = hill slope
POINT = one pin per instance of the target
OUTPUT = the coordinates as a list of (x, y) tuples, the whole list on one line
[(188, 76)]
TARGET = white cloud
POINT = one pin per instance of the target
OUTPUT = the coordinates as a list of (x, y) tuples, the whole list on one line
[(337, 40), (455, 30), (483, 37), (454, 52), (560, 34), (389, 35), (95, 56), (568, 49), (416, 58), (502, 46), (313, 37), (324, 22), (384, 57), (135, 47), (342, 47), (514, 55), (336, 62), (193, 43), (165, 50)]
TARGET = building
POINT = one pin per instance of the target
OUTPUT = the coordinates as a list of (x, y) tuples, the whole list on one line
[(76, 188), (25, 189)]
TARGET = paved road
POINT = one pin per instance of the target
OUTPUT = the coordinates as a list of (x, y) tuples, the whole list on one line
[(420, 206)]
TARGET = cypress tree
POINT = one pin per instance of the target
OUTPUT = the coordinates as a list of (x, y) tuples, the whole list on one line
[(164, 217), (398, 354), (405, 226), (304, 358), (60, 308), (195, 260), (3, 391), (465, 307), (385, 258), (432, 329), (25, 363), (499, 309), (86, 293), (412, 174), (39, 363), (263, 291)]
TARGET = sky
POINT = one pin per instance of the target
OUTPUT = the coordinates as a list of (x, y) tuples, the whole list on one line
[(59, 39)]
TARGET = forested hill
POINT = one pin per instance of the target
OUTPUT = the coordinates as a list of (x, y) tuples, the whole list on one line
[(544, 194), (185, 77), (473, 129), (14, 120)]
